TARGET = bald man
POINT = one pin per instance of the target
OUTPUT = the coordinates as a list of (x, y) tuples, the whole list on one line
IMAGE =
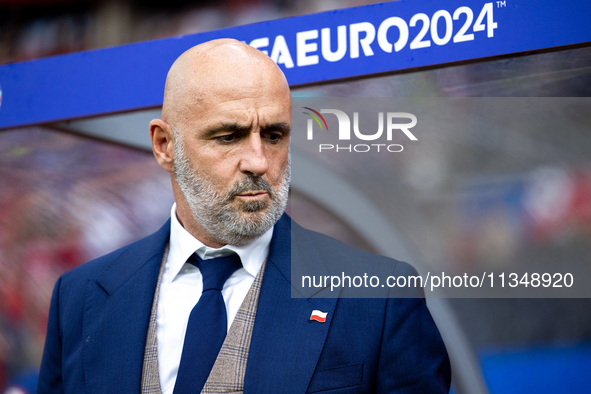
[(204, 304)]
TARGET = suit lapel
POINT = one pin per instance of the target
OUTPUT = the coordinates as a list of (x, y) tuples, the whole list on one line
[(285, 345), (116, 317)]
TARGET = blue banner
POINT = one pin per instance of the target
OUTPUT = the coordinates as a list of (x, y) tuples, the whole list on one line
[(312, 48)]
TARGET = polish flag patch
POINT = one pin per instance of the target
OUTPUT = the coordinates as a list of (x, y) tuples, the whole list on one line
[(318, 316)]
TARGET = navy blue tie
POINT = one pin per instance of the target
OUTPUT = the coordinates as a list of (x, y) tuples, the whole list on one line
[(208, 324)]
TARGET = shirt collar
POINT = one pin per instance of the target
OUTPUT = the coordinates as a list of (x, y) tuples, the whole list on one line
[(183, 245)]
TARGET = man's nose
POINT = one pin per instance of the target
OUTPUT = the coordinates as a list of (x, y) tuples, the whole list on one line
[(254, 160)]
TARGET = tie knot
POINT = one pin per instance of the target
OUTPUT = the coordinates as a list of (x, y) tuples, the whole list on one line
[(216, 271)]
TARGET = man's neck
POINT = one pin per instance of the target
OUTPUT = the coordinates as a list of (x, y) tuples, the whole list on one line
[(187, 220)]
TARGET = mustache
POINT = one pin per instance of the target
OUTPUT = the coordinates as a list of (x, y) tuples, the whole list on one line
[(250, 184)]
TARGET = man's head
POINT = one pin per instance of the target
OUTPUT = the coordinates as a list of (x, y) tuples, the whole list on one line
[(224, 137)]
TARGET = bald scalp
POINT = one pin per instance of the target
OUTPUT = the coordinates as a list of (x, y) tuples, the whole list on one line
[(211, 69)]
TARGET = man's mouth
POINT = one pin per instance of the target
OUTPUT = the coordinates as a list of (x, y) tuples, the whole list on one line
[(253, 195)]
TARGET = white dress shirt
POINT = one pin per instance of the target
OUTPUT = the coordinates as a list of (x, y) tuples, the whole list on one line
[(182, 285)]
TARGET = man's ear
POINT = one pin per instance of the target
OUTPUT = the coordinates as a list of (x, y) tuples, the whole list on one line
[(162, 143)]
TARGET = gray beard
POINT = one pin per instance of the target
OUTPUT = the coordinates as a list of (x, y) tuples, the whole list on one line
[(216, 212)]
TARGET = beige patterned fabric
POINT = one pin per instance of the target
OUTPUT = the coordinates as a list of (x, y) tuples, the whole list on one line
[(227, 374)]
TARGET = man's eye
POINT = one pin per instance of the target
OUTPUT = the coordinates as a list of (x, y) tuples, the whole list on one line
[(227, 137), (274, 136)]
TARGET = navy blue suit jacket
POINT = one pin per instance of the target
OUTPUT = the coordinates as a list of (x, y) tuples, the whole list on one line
[(99, 316)]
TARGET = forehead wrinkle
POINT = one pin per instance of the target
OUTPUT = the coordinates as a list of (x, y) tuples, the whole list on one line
[(254, 115)]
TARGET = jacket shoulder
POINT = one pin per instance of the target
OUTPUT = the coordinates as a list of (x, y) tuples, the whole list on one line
[(320, 256)]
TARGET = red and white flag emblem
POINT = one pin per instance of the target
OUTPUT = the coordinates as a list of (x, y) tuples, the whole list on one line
[(318, 316)]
